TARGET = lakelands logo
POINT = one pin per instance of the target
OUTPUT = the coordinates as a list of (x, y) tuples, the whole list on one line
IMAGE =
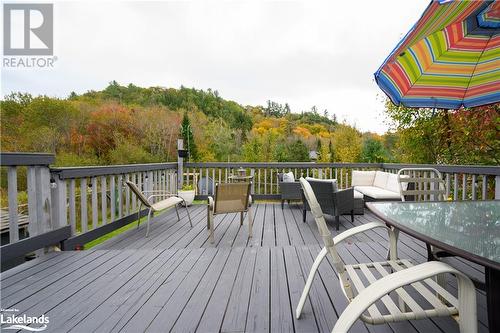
[(15, 321), (28, 35)]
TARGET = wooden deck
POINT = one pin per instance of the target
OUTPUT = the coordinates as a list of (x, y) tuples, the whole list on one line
[(177, 281)]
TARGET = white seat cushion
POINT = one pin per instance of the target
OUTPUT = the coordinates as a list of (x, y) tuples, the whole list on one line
[(164, 204), (377, 193), (288, 177), (380, 179), (358, 195), (362, 178)]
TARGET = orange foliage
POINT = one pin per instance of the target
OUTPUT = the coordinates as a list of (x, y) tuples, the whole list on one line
[(104, 126), (302, 132)]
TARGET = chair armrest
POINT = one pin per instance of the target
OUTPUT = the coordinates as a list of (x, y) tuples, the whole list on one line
[(157, 191), (163, 195), (393, 239), (343, 201), (210, 203), (290, 190), (359, 229), (391, 282)]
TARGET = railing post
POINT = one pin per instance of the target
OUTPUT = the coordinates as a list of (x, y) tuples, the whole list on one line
[(12, 192), (59, 209), (497, 187), (180, 164), (43, 199)]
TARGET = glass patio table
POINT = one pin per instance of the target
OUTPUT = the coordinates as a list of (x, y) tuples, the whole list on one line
[(468, 229)]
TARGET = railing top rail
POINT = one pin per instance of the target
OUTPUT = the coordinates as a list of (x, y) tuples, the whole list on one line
[(279, 165), (25, 159), (92, 171), (471, 169)]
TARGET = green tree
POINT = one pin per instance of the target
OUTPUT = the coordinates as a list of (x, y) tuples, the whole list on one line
[(298, 151), (373, 151), (319, 149), (347, 145), (187, 136), (331, 152), (252, 150)]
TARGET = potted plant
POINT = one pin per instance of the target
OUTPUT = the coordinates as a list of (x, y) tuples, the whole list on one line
[(187, 193)]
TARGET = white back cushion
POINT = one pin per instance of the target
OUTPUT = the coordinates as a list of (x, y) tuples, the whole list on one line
[(288, 177), (333, 181), (392, 183), (362, 178), (380, 179)]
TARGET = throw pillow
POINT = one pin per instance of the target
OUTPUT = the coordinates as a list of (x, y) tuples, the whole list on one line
[(288, 177)]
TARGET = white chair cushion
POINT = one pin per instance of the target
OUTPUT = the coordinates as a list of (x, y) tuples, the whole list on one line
[(288, 177), (358, 195), (164, 204), (380, 179), (362, 178), (377, 193)]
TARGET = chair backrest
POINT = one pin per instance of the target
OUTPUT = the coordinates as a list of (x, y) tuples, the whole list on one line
[(323, 191), (426, 184), (231, 197), (138, 193), (279, 175), (326, 235)]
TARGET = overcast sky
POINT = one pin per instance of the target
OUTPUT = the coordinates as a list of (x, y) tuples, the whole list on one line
[(305, 53)]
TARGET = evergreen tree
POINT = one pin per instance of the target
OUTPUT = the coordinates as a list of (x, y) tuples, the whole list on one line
[(318, 149), (298, 151), (187, 136), (331, 151)]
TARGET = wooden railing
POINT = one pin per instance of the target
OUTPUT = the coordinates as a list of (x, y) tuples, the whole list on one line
[(96, 200), (69, 207), (73, 206), (265, 175), (463, 182)]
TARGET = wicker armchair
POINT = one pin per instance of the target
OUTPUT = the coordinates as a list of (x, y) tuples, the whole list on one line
[(289, 190), (332, 201)]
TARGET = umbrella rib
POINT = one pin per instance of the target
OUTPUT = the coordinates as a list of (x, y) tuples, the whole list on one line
[(474, 70)]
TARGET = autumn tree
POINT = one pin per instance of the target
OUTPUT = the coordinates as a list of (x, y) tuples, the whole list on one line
[(347, 143)]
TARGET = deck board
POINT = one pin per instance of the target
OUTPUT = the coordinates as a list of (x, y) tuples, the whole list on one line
[(176, 280)]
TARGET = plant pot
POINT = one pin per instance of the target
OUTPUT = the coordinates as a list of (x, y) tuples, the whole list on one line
[(188, 196)]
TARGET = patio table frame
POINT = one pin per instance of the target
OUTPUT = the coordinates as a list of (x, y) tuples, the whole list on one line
[(491, 268)]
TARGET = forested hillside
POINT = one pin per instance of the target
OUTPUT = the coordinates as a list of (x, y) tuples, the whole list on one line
[(130, 124)]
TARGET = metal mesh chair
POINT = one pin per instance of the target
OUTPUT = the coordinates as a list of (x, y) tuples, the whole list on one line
[(230, 198), (371, 288)]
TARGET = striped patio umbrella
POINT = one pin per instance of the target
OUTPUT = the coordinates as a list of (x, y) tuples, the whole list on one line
[(449, 59)]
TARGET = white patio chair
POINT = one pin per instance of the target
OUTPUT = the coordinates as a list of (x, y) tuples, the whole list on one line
[(373, 302), (428, 185), (171, 201)]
